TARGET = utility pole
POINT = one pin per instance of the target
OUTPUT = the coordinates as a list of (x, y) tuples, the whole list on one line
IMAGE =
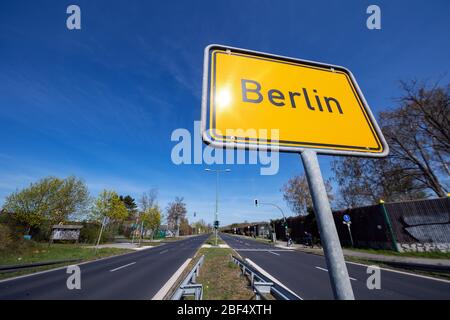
[(216, 215), (140, 236)]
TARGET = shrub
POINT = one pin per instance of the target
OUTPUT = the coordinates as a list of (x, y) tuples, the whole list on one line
[(89, 233), (5, 237)]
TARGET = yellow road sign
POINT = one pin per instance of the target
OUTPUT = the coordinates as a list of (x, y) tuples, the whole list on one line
[(257, 100)]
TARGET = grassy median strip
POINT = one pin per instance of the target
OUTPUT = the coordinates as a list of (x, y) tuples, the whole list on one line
[(221, 278), (40, 252), (212, 240)]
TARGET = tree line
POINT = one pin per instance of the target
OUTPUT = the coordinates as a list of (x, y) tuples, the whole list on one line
[(51, 200)]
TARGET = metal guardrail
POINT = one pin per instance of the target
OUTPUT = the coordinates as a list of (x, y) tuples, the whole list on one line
[(261, 284), (17, 267), (188, 287)]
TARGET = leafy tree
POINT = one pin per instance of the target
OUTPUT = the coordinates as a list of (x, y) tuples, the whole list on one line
[(50, 200), (108, 204), (185, 228), (126, 227), (151, 219), (296, 194), (201, 226), (176, 210), (130, 204)]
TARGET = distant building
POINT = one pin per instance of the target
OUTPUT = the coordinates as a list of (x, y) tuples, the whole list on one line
[(164, 228)]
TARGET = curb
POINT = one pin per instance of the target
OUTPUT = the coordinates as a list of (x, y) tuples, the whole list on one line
[(173, 279)]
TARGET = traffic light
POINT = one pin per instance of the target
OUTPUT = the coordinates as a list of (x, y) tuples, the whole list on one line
[(216, 224), (256, 202)]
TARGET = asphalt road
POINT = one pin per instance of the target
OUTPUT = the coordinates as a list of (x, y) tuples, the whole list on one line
[(307, 275), (138, 275)]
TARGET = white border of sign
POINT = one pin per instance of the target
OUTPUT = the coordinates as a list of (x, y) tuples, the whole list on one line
[(255, 146)]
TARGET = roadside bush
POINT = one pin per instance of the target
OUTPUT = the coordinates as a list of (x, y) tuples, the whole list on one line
[(19, 229), (42, 233), (5, 237), (89, 233), (11, 239)]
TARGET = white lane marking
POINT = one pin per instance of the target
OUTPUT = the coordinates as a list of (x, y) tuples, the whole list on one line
[(127, 265), (277, 254), (166, 287), (401, 272), (164, 251), (247, 244), (63, 267), (268, 275), (326, 270), (323, 269)]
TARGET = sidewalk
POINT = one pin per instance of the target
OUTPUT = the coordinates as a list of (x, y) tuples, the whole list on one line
[(412, 262)]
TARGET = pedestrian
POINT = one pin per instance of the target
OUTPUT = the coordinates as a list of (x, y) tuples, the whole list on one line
[(308, 239), (289, 240)]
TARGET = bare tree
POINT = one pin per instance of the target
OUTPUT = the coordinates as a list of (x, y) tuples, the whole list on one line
[(176, 211), (148, 200), (364, 181), (296, 194), (418, 133)]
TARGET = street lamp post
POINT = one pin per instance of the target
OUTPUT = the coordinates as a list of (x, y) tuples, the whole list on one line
[(282, 213), (217, 171)]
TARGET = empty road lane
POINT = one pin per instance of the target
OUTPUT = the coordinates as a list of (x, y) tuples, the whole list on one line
[(307, 274), (138, 275)]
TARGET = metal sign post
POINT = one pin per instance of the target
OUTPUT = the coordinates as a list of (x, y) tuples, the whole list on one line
[(350, 232), (340, 281), (315, 108), (100, 233), (347, 221)]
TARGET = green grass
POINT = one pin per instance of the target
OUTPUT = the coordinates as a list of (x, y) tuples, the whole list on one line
[(212, 240), (221, 278), (33, 252), (430, 255)]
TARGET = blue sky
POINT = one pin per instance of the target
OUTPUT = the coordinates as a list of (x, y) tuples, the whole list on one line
[(101, 103)]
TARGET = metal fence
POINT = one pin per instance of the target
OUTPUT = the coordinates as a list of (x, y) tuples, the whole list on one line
[(189, 287), (420, 225), (369, 227)]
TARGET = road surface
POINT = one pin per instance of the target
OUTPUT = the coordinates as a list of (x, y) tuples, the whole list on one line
[(138, 275), (307, 275)]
